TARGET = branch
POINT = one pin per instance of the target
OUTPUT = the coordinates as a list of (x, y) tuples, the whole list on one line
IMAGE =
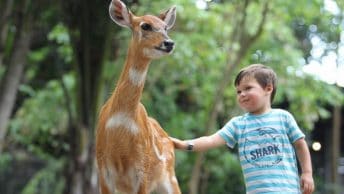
[(4, 20), (241, 36), (240, 24), (6, 13), (254, 37)]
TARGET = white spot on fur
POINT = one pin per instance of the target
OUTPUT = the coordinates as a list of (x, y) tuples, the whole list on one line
[(109, 176), (153, 53), (160, 156), (136, 179), (174, 179), (137, 77), (122, 120), (166, 185)]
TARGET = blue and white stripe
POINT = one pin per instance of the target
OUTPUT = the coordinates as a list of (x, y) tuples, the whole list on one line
[(265, 150)]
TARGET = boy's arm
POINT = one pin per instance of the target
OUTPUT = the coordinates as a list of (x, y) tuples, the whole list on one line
[(199, 144), (303, 155)]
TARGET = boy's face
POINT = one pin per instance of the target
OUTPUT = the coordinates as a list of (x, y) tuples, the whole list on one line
[(252, 97)]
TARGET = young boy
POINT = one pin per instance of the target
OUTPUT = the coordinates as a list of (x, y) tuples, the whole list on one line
[(266, 138)]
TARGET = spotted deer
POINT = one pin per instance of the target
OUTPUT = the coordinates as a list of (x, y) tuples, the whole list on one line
[(133, 153)]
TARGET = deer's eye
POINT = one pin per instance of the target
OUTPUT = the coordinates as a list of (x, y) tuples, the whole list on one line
[(146, 27)]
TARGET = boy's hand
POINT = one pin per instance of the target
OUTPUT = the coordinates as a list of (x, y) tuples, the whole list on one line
[(178, 144), (307, 183)]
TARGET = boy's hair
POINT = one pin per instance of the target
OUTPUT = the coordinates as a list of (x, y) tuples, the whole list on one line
[(263, 74)]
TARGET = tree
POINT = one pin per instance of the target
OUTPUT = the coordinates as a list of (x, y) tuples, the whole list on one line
[(6, 10), (89, 34), (278, 45), (74, 64), (239, 36), (16, 61)]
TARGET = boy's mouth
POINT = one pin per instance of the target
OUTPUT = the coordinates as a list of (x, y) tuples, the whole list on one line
[(244, 101)]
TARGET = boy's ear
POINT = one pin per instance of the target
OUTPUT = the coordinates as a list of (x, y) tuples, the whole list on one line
[(269, 88)]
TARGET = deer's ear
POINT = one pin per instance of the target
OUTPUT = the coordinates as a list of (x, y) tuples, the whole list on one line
[(169, 17), (120, 14)]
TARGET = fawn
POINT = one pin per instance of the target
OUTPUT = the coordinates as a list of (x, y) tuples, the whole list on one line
[(134, 154)]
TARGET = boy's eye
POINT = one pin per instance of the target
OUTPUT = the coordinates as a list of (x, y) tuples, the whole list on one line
[(248, 88), (146, 27)]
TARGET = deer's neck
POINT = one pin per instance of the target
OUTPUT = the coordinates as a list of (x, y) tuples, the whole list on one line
[(130, 85)]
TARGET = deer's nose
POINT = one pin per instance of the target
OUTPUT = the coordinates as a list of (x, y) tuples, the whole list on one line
[(168, 44)]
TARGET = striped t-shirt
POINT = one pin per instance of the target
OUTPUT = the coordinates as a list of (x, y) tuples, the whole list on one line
[(267, 156)]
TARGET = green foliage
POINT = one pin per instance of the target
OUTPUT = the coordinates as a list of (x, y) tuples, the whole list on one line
[(39, 55), (225, 172), (11, 166), (52, 59), (5, 161), (60, 35), (41, 122), (279, 47), (48, 180), (2, 70), (9, 42), (186, 79), (323, 187), (180, 88)]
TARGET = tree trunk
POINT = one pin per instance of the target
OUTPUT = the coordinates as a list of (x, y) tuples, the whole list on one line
[(211, 123), (336, 134), (11, 79), (6, 12), (241, 37), (89, 34), (335, 151)]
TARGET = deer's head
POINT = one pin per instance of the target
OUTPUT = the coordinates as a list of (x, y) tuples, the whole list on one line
[(149, 33)]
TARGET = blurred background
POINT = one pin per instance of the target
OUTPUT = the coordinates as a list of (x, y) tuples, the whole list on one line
[(59, 62)]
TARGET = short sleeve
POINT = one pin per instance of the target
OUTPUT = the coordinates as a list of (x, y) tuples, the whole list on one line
[(229, 132), (293, 130)]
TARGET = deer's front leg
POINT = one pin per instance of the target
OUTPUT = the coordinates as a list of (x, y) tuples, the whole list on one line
[(169, 185)]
